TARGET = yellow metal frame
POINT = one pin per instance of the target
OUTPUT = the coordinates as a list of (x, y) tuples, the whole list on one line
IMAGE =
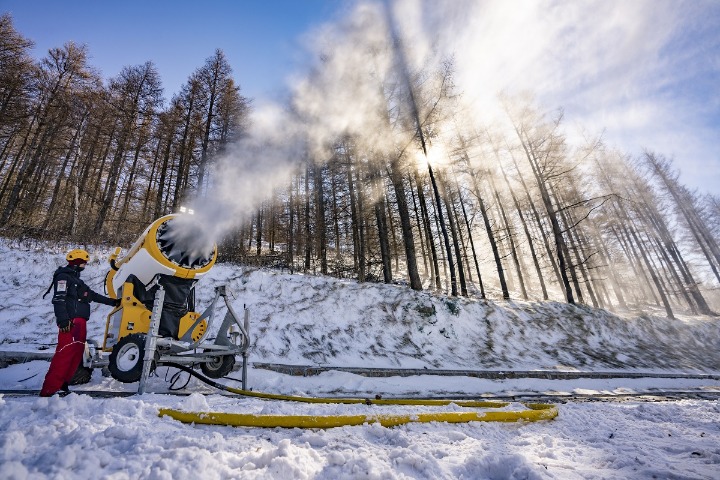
[(111, 274), (136, 319)]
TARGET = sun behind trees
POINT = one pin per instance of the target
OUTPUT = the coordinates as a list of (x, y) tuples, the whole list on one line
[(395, 180)]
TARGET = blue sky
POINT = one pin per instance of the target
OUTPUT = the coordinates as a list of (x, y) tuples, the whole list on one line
[(644, 72), (261, 38)]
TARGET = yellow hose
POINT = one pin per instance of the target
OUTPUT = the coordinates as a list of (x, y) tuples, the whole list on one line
[(535, 411)]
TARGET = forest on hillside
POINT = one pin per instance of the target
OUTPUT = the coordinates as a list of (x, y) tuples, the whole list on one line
[(393, 179)]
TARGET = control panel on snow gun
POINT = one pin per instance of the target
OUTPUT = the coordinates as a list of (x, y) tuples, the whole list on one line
[(172, 253)]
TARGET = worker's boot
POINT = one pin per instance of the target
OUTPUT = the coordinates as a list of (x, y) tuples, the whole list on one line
[(64, 390)]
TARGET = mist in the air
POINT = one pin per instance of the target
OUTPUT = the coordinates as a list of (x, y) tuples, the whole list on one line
[(607, 64)]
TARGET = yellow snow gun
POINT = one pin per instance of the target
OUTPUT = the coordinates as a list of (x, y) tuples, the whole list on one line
[(155, 322), (173, 253)]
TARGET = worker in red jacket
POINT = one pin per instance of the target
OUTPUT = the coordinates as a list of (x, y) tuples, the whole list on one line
[(71, 300)]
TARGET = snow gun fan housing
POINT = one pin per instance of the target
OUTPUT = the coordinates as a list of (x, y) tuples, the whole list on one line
[(171, 245), (172, 253)]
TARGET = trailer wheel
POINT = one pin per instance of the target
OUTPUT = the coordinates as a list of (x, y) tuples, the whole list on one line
[(82, 376), (219, 366), (126, 358)]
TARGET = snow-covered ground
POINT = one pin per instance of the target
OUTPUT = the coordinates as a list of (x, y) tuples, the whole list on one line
[(306, 320)]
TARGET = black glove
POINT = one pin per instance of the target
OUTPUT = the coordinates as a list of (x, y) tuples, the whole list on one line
[(64, 325)]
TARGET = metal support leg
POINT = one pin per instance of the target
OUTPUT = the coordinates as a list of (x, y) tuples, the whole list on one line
[(245, 349), (151, 339)]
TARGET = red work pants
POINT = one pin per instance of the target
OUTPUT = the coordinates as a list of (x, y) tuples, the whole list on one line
[(67, 358)]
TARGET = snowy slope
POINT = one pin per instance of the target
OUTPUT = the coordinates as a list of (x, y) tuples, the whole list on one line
[(310, 320), (314, 320)]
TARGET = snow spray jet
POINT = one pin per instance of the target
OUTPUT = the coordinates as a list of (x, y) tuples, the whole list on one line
[(336, 99), (341, 96), (243, 178)]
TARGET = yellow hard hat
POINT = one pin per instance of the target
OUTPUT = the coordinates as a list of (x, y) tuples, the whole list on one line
[(78, 254)]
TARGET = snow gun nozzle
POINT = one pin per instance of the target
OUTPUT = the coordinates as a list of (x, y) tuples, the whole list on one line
[(185, 242)]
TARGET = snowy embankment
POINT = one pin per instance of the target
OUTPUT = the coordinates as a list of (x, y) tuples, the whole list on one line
[(311, 320), (308, 320)]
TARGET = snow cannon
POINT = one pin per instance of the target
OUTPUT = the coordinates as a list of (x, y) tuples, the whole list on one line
[(172, 245), (172, 253)]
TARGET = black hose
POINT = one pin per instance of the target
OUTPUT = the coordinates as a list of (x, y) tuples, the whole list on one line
[(175, 380), (197, 375), (378, 400)]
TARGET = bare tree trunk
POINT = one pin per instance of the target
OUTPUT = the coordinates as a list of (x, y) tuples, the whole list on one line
[(336, 213), (539, 223), (159, 204), (354, 217), (472, 245), (151, 180), (393, 236), (418, 219), (308, 236), (456, 242), (258, 232), (291, 231), (626, 243), (55, 198), (488, 230), (614, 282), (597, 286), (463, 260), (362, 258), (670, 250), (428, 231), (378, 193), (665, 258), (76, 211), (129, 187), (511, 241), (441, 220), (570, 267), (27, 167), (272, 225), (320, 225), (406, 226), (560, 247), (662, 170), (580, 259), (651, 271), (536, 262)]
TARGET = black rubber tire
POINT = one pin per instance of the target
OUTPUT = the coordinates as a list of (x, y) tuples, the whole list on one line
[(219, 367), (82, 376), (126, 358)]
